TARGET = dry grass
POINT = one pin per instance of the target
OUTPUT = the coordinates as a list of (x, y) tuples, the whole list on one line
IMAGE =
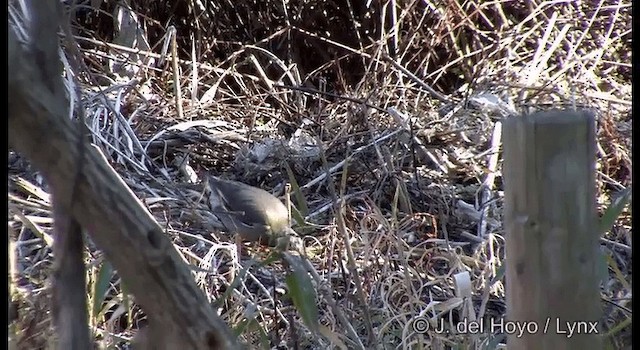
[(401, 112)]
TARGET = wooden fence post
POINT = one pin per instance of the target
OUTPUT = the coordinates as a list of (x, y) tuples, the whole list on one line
[(553, 295)]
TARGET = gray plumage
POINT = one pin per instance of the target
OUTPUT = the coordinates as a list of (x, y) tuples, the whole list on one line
[(253, 213)]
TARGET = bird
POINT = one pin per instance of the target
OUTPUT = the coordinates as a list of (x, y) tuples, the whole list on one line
[(253, 213)]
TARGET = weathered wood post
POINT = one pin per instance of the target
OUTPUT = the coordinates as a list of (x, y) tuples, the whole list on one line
[(553, 296)]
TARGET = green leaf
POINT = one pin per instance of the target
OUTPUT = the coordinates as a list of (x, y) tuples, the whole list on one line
[(126, 301), (297, 216), (614, 210), (101, 286), (618, 328), (271, 258), (303, 295), (616, 271), (499, 274), (295, 188)]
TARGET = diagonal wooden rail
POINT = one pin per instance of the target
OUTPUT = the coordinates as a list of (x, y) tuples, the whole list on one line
[(180, 316)]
